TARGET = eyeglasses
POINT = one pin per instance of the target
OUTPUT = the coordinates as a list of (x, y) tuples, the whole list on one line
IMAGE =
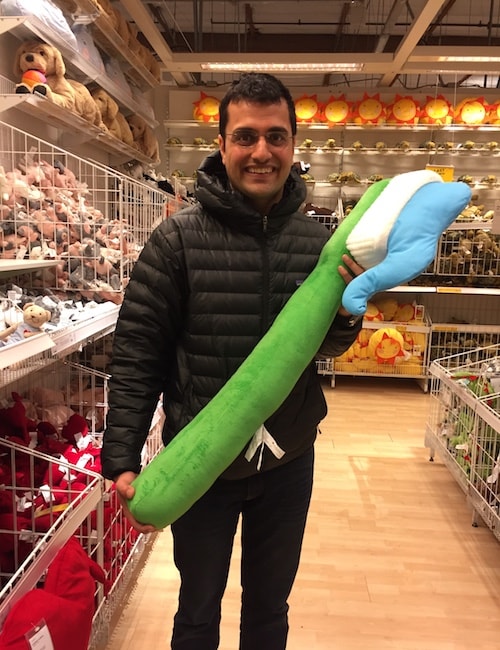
[(249, 138)]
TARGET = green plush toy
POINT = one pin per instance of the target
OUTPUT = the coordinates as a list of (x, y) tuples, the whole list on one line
[(197, 456)]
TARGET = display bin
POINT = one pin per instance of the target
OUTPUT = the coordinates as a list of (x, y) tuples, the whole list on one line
[(48, 491), (40, 509), (403, 354), (125, 551), (464, 426), (90, 220), (449, 339), (38, 518)]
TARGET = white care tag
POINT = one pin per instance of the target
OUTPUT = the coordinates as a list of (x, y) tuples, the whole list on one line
[(39, 637)]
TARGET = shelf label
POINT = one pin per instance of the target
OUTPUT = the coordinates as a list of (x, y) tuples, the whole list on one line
[(446, 172), (448, 290)]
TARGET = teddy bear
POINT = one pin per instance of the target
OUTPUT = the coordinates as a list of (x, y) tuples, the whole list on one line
[(144, 138), (113, 118), (34, 318), (41, 68)]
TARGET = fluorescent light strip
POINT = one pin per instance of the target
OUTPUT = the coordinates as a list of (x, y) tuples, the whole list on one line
[(470, 59), (281, 67)]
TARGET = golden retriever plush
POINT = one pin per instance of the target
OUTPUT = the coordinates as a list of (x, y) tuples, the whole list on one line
[(144, 138), (35, 57), (113, 119), (38, 56)]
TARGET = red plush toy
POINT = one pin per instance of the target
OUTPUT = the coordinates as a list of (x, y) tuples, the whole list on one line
[(66, 603)]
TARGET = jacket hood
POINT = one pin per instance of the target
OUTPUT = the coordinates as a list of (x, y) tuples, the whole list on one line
[(213, 190)]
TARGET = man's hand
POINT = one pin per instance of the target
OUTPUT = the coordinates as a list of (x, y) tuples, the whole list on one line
[(125, 492), (348, 270)]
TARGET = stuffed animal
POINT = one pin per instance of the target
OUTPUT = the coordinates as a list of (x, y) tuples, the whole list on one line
[(41, 68), (113, 119), (66, 603), (34, 318), (144, 138), (205, 447), (37, 57)]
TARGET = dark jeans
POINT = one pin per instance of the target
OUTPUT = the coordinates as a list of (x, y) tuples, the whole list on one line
[(274, 507)]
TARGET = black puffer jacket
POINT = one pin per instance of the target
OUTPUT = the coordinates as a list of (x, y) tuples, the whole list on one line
[(207, 286)]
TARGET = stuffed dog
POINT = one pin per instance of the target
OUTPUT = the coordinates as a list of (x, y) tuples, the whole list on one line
[(37, 56), (144, 138), (43, 62), (113, 119)]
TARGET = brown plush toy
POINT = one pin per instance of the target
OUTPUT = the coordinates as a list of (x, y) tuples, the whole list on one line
[(36, 61), (113, 119), (144, 138), (40, 57)]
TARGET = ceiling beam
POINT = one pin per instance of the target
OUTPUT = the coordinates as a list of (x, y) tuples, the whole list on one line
[(410, 41)]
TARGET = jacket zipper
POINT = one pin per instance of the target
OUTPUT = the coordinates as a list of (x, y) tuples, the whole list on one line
[(265, 277)]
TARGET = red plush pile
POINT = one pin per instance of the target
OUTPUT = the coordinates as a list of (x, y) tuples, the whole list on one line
[(66, 603)]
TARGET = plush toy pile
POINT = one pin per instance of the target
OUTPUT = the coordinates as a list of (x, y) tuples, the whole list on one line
[(63, 607), (49, 461), (47, 213)]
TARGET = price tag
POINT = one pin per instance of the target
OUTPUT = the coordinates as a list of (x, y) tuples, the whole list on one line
[(446, 172), (495, 224), (39, 637)]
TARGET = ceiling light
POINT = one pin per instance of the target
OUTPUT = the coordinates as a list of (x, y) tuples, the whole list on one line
[(282, 67), (470, 59)]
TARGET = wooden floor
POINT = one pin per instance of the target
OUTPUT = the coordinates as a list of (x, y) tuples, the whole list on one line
[(390, 559)]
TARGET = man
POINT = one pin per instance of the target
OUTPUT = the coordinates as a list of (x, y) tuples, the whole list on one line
[(206, 288)]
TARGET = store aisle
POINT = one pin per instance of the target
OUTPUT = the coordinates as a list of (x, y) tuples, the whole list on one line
[(390, 560)]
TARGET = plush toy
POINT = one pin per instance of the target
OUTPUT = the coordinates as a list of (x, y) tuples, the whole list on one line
[(144, 138), (112, 117), (471, 111), (32, 81), (34, 318), (437, 110), (338, 110), (39, 57), (193, 460), (41, 68), (307, 109), (416, 208), (403, 110), (206, 109), (369, 110), (65, 604)]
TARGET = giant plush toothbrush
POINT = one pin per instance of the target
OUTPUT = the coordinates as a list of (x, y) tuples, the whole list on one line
[(193, 460)]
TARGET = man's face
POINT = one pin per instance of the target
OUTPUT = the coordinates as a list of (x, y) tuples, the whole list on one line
[(258, 171)]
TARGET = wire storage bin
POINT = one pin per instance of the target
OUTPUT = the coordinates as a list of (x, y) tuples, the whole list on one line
[(51, 485), (464, 426), (90, 220), (52, 422), (124, 549), (389, 348)]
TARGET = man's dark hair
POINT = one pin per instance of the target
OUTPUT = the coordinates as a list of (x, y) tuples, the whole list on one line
[(257, 88)]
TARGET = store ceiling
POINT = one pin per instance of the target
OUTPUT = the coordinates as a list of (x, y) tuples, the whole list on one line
[(410, 44)]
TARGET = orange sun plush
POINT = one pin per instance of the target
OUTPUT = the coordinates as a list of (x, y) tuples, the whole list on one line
[(403, 110), (437, 110), (493, 116), (337, 110), (369, 110), (206, 109), (471, 111), (307, 108), (386, 345)]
